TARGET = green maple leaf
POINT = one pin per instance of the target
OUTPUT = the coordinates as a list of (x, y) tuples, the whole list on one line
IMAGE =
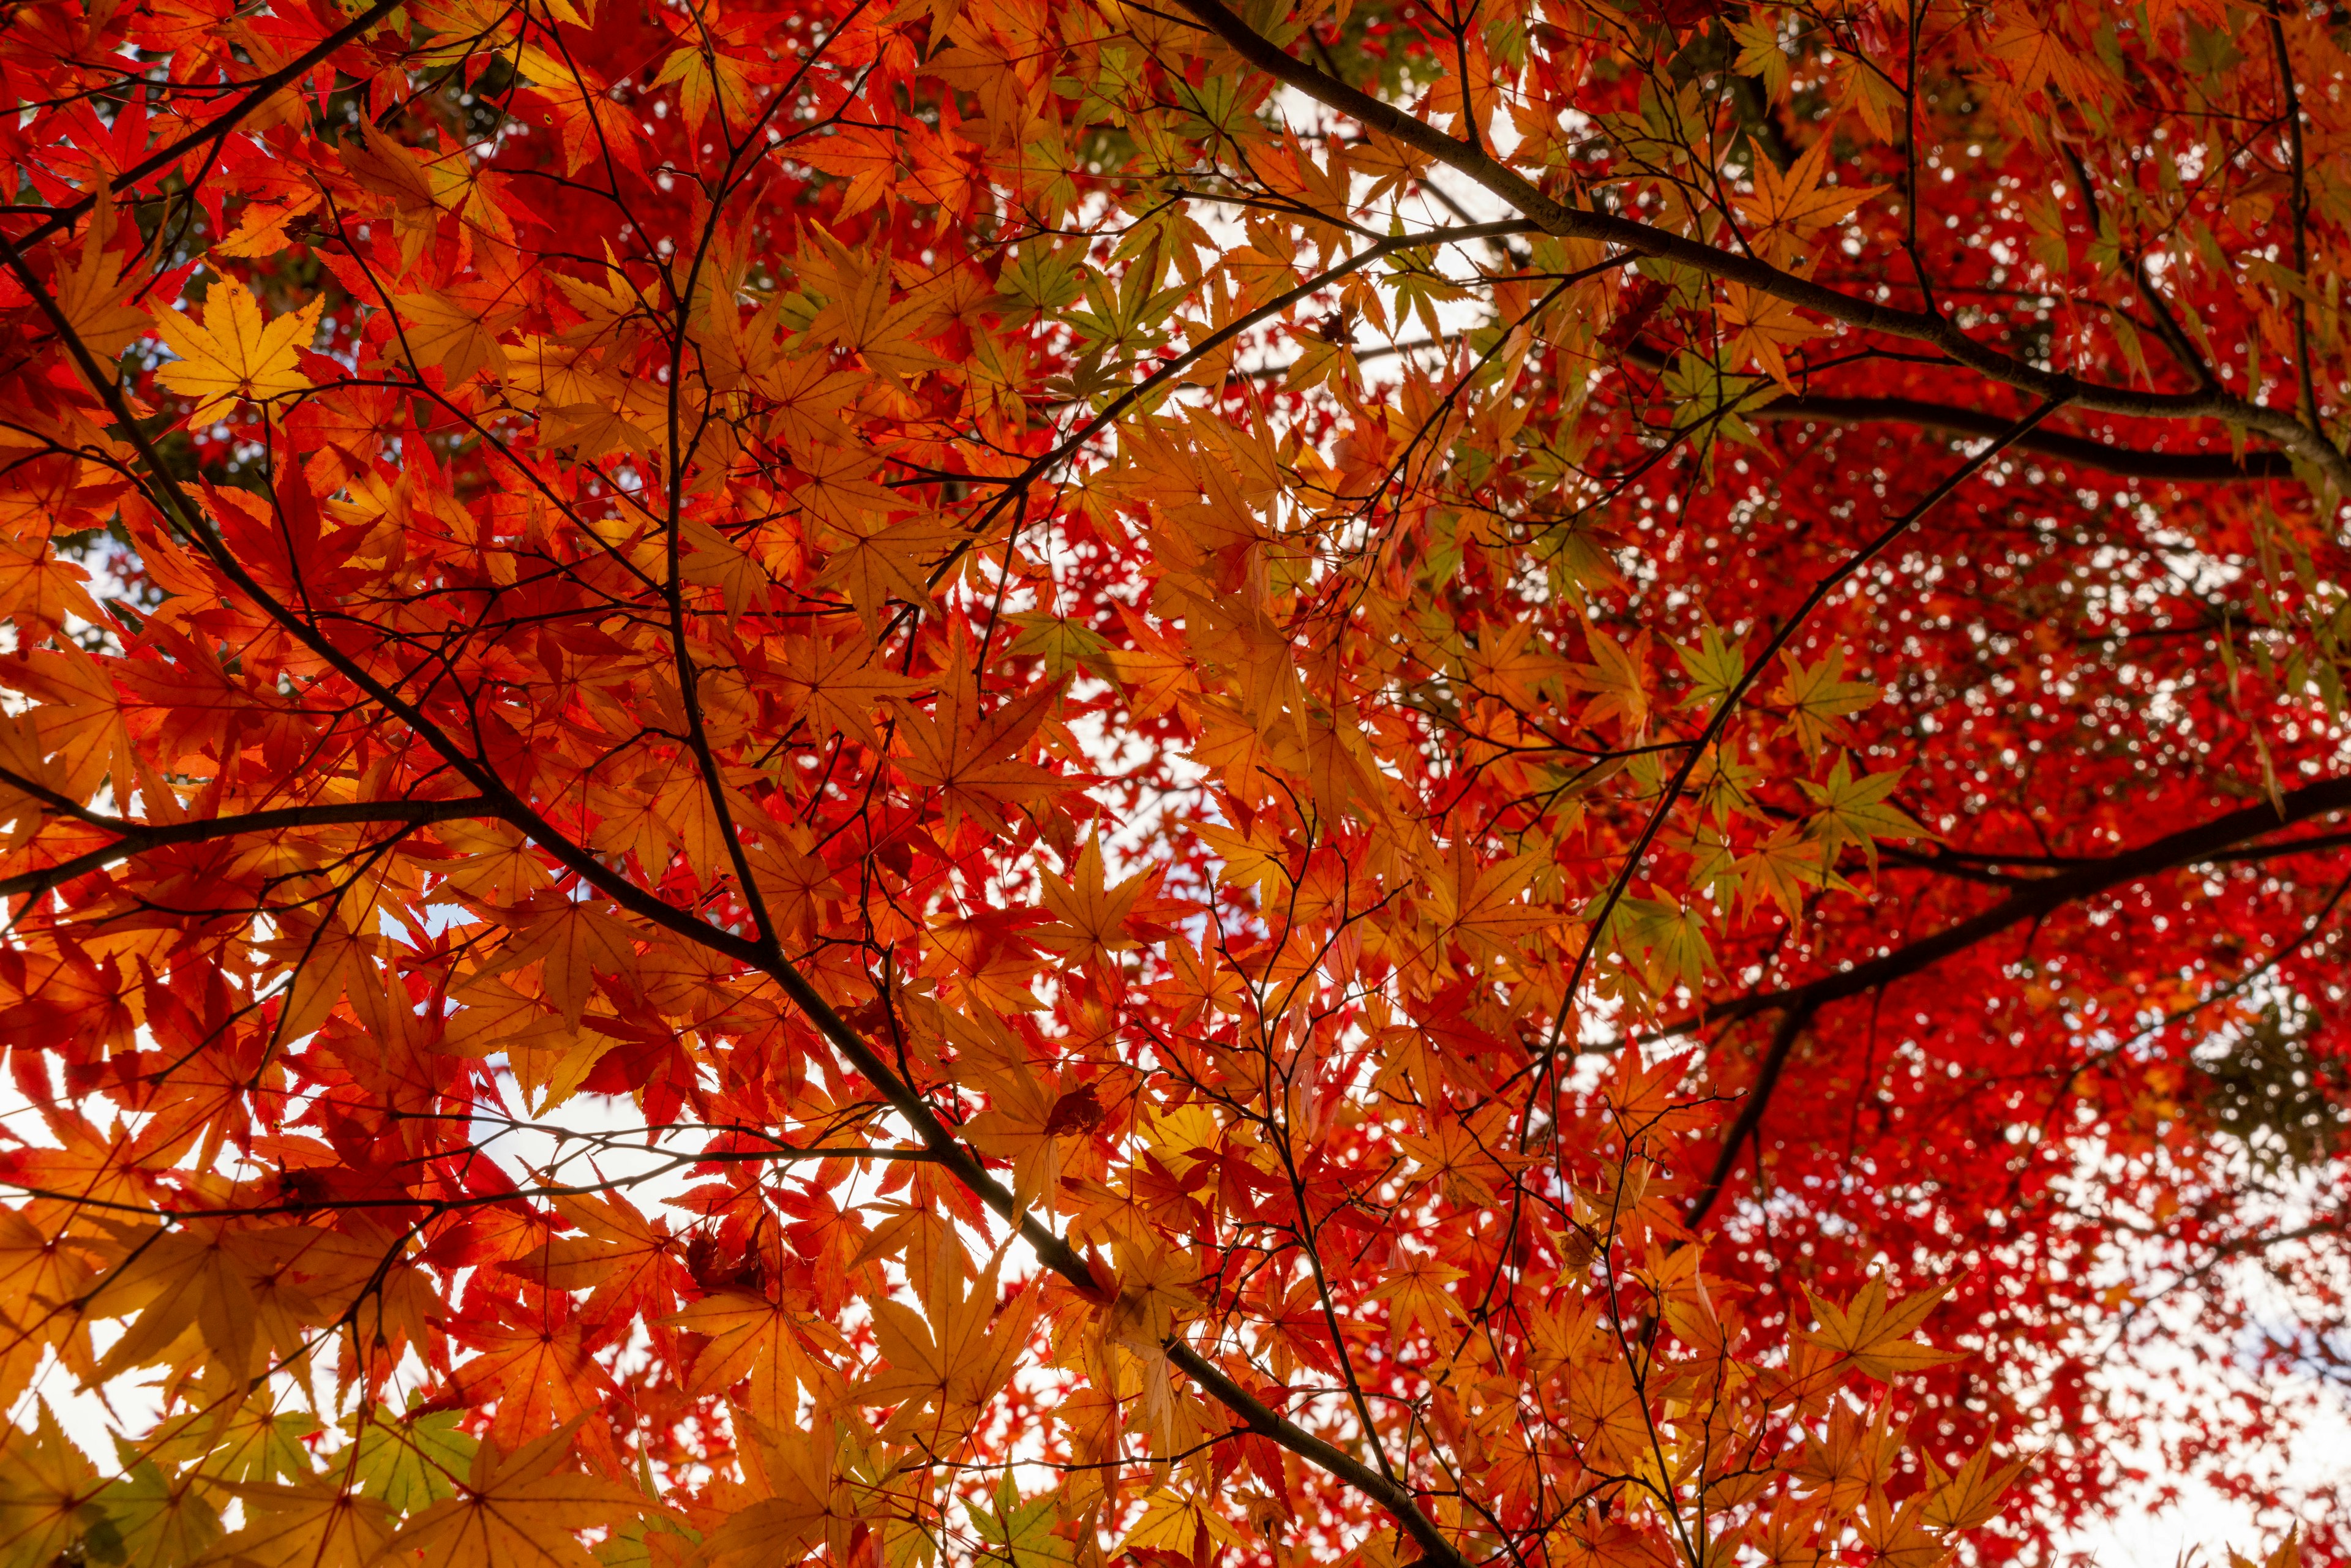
[(1715, 667), (1854, 811), (1020, 1533), (411, 1465), (1819, 696)]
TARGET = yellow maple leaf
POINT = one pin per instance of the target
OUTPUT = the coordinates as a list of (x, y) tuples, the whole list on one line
[(1090, 912), (806, 1500), (314, 1525), (45, 1486), (1180, 1522), (1971, 1497), (90, 295), (233, 355), (756, 1341), (955, 1359), (1415, 1285), (880, 330), (457, 334)]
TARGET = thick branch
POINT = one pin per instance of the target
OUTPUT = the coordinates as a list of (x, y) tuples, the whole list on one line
[(1750, 1110), (256, 92), (2129, 462), (2211, 840), (140, 837), (2206, 841), (1555, 217)]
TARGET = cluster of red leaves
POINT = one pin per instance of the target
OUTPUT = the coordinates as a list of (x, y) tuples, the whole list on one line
[(1052, 781)]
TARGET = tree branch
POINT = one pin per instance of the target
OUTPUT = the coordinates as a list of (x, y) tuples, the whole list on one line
[(257, 93), (1751, 1112), (2206, 841), (139, 837), (2125, 461), (1555, 217)]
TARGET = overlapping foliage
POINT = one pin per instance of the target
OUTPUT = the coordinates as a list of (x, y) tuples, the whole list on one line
[(1058, 781)]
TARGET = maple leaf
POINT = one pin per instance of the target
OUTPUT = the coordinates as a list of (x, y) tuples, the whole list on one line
[(868, 316), (409, 1464), (1026, 1121), (1415, 1286), (536, 1366), (865, 156), (1759, 329), (232, 1284), (754, 1338), (1896, 1535), (570, 941), (943, 1368), (1090, 915), (47, 1490), (1790, 207), (153, 1518), (233, 355), (1182, 1522), (1820, 696), (971, 759), (1855, 810), (1468, 1156), (714, 75), (624, 1261), (457, 332), (1759, 53), (1783, 866), (1971, 1496), (1875, 1334), (804, 1505), (1482, 904), (1846, 1465), (874, 564), (314, 1523), (90, 296), (521, 1510), (1616, 675)]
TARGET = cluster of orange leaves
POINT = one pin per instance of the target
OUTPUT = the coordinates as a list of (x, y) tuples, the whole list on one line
[(755, 811)]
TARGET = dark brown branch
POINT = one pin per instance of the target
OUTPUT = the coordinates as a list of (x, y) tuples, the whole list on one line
[(1750, 1110), (136, 837), (1555, 217), (256, 92), (2126, 462), (2212, 842), (2207, 842)]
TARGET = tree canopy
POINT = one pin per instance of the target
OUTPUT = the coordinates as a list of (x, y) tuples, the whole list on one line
[(1071, 782)]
